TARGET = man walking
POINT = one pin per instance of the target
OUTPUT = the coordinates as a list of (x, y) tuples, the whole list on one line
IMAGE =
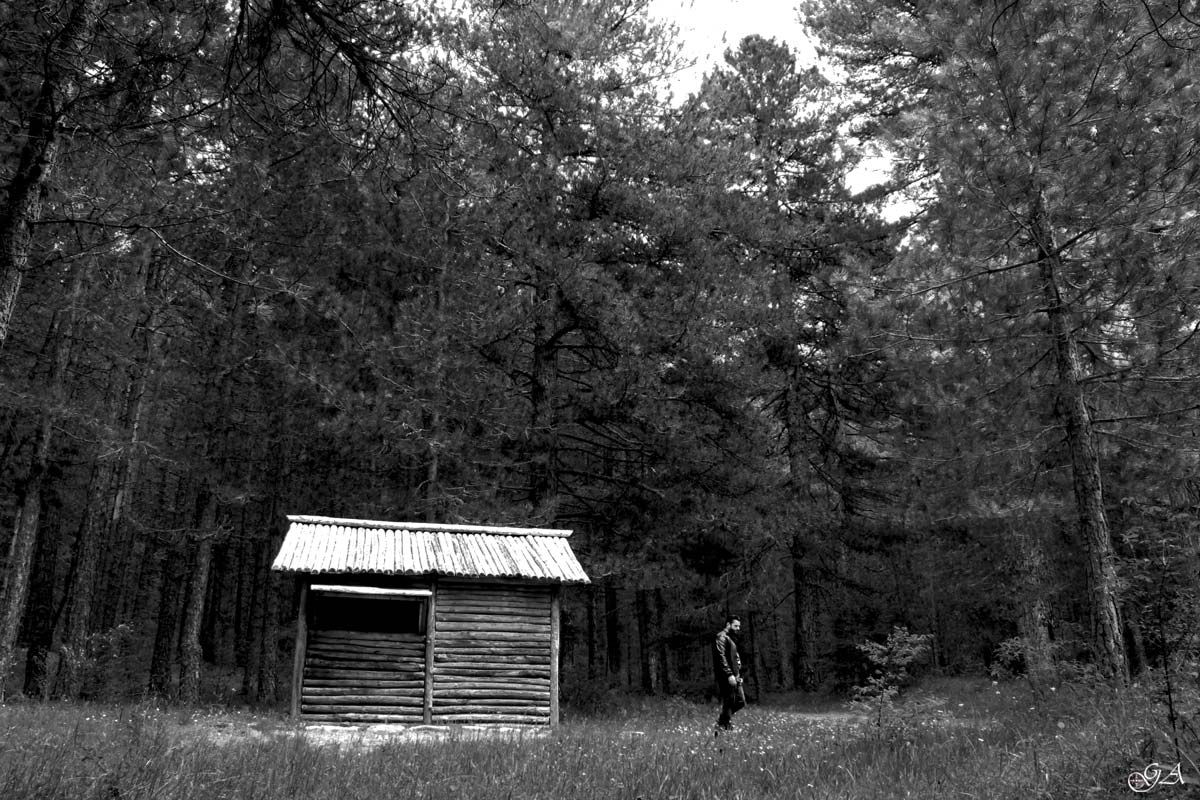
[(727, 668)]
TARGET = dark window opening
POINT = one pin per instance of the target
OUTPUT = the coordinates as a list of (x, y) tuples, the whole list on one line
[(366, 614)]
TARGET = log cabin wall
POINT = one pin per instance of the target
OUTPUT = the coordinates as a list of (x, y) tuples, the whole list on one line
[(492, 652), (350, 676), (355, 675)]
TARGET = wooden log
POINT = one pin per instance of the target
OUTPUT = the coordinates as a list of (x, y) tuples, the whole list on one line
[(492, 589), (356, 713), (488, 647), (497, 691), (367, 636), (365, 640), (493, 697), (476, 706), (301, 648), (368, 647), (491, 658), (535, 611), (431, 629), (500, 646), (555, 620), (358, 688), (328, 651), (362, 699), (362, 658), (494, 611), (498, 660), (526, 672), (473, 716), (530, 685), (348, 644), (497, 626), (333, 683), (496, 710), (321, 673), (490, 636)]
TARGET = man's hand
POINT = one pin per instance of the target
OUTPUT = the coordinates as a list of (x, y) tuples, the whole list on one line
[(734, 680)]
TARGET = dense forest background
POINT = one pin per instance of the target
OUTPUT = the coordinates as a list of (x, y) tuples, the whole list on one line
[(474, 263)]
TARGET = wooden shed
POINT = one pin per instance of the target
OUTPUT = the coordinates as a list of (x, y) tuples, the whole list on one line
[(426, 623)]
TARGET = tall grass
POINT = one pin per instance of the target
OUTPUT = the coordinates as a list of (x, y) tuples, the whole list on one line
[(984, 740)]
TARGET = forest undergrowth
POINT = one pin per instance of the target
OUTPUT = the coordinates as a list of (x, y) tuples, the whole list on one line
[(946, 739)]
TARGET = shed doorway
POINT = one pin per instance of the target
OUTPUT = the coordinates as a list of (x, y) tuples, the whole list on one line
[(366, 655)]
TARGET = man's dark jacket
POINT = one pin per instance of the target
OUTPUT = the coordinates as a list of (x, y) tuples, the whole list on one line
[(726, 660)]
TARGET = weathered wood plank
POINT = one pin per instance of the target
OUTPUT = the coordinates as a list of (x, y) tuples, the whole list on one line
[(364, 662), (492, 696), (490, 636), (505, 588), (499, 625), (345, 653), (536, 608), (361, 699), (298, 655), (351, 650), (485, 609), (555, 643), (364, 688), (466, 646), (324, 641), (366, 636), (331, 684), (512, 672), (484, 719), (319, 673), (527, 684), (348, 713), (431, 626), (485, 714), (498, 657)]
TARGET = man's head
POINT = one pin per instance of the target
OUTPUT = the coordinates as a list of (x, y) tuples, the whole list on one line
[(733, 623)]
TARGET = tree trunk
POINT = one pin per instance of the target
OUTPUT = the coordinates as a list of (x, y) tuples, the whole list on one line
[(268, 665), (162, 662), (646, 656), (662, 645), (81, 585), (128, 544), (34, 163), (543, 376), (1103, 587), (20, 558), (29, 508), (1034, 620), (804, 599), (255, 599), (612, 629), (191, 654), (592, 593), (40, 660)]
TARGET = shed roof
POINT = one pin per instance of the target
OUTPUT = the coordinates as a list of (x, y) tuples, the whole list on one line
[(327, 545)]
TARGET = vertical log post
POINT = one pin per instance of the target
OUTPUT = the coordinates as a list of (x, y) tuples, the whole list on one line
[(301, 646), (555, 613), (430, 636)]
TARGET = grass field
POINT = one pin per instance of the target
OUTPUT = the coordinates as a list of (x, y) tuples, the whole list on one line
[(961, 739)]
